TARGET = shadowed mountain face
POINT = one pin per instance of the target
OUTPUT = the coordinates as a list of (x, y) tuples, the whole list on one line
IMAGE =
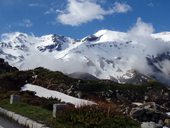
[(83, 76), (121, 57), (5, 67)]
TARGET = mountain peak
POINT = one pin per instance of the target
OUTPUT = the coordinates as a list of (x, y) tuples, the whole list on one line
[(108, 35), (12, 36), (105, 54)]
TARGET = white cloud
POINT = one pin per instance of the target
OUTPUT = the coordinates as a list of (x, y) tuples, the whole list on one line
[(142, 34), (25, 23), (121, 7), (78, 12), (9, 2), (33, 5), (141, 29), (51, 10), (37, 5), (151, 4)]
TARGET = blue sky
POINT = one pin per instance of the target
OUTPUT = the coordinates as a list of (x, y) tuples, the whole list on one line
[(79, 18)]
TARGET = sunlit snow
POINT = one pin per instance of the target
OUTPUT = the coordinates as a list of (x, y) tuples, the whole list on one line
[(46, 93)]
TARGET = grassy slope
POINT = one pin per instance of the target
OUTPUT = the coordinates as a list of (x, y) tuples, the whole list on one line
[(78, 118), (73, 118)]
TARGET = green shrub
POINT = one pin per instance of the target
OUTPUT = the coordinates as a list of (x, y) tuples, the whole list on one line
[(94, 117)]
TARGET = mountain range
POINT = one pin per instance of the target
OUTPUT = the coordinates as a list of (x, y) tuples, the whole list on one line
[(122, 57)]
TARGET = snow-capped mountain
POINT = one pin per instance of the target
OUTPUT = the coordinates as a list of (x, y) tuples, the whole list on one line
[(106, 54)]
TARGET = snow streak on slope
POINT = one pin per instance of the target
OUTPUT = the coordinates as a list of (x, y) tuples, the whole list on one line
[(164, 36), (105, 54), (43, 92)]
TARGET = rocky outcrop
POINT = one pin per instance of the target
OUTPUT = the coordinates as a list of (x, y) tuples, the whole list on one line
[(150, 125), (147, 115), (5, 67), (151, 114)]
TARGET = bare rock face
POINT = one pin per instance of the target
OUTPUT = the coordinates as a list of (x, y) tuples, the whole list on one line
[(104, 55), (5, 67), (134, 77), (150, 115), (147, 115)]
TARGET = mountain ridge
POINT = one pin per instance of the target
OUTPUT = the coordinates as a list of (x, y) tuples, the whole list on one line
[(105, 55)]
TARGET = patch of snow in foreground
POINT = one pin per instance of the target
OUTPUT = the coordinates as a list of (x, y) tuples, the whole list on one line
[(168, 113), (137, 103), (46, 93)]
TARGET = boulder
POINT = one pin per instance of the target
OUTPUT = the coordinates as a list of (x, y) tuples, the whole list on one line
[(146, 115), (150, 125), (167, 122)]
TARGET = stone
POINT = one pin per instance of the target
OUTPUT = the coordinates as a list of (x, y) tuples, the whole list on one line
[(160, 122), (146, 115), (146, 98), (15, 117), (14, 99), (79, 94), (121, 98), (58, 107), (22, 120), (10, 114), (37, 125), (150, 125), (167, 122), (29, 123), (152, 105)]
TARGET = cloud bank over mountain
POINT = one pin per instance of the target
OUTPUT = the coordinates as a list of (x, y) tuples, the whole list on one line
[(105, 54)]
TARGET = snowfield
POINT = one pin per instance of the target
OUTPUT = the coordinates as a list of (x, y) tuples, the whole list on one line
[(46, 93), (105, 54)]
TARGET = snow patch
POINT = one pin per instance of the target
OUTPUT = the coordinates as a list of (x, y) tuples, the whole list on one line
[(46, 93), (137, 103), (168, 113)]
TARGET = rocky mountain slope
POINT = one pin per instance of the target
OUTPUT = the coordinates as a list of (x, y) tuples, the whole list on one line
[(148, 103), (122, 57), (5, 67)]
